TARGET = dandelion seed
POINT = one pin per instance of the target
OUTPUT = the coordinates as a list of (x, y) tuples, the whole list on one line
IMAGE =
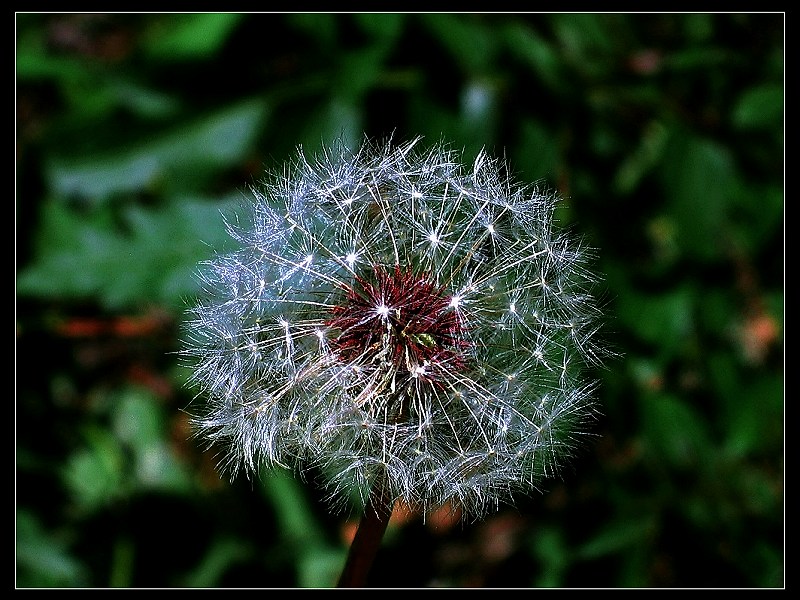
[(405, 373)]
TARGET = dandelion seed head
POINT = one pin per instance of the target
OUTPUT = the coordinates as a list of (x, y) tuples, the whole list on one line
[(392, 315)]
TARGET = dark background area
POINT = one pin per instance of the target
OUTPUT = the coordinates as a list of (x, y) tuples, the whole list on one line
[(664, 134)]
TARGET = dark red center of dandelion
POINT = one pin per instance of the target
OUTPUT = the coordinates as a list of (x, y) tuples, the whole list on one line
[(399, 318)]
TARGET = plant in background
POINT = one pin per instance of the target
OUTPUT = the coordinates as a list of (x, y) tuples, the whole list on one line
[(410, 329)]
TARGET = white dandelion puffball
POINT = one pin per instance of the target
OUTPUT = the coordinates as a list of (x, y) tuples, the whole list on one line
[(393, 318)]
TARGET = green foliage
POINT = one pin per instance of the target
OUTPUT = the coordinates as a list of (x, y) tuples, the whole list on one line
[(184, 158), (123, 453), (43, 558), (760, 107), (317, 562), (189, 37), (140, 256), (137, 133)]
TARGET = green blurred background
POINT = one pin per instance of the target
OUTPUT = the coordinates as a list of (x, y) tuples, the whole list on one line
[(664, 134)]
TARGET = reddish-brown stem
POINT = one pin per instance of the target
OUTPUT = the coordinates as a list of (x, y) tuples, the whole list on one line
[(367, 539)]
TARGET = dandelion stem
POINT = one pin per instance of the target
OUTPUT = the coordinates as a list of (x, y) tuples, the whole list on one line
[(367, 539)]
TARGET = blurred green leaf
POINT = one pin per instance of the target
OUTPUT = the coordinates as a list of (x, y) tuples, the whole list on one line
[(295, 517), (91, 89), (318, 563), (322, 28), (382, 26), (156, 468), (479, 116), (642, 160), (80, 256), (84, 87), (645, 372), (44, 559), (216, 141), (537, 154), (550, 549), (587, 40), (699, 179), (537, 53), (98, 177), (92, 99), (754, 417), (320, 567), (430, 119), (759, 216), (767, 565), (338, 120), (617, 535), (699, 27), (696, 58), (142, 100), (140, 423), (34, 61), (220, 556), (634, 568), (358, 73), (95, 474), (762, 491), (190, 36), (135, 418), (122, 562), (663, 320), (717, 311), (759, 107), (470, 44), (675, 431)]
